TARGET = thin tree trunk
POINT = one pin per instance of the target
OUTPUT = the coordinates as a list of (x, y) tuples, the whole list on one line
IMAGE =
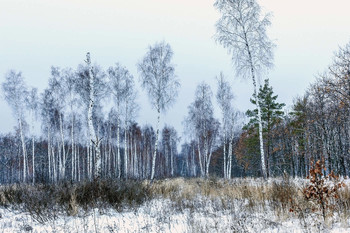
[(54, 177), (125, 153), (118, 143), (23, 150), (206, 157), (73, 148), (257, 100), (49, 152), (225, 165), (200, 161), (262, 156), (171, 158), (63, 164), (136, 175), (155, 147)]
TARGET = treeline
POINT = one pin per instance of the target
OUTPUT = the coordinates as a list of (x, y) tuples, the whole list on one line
[(78, 139), (316, 127), (88, 128), (50, 166)]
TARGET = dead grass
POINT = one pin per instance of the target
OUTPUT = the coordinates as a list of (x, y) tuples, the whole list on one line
[(250, 195), (278, 195)]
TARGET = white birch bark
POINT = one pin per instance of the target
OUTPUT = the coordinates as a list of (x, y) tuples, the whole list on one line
[(24, 151), (73, 150), (125, 153), (63, 161), (33, 147), (171, 158), (230, 157), (118, 143), (54, 164), (155, 146), (262, 155), (136, 162), (225, 165), (93, 137), (200, 161), (49, 151), (242, 30)]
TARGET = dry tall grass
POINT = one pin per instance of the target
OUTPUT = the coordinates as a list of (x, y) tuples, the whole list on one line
[(246, 195)]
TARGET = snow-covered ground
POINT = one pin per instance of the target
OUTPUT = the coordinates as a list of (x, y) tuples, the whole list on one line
[(197, 214), (162, 216)]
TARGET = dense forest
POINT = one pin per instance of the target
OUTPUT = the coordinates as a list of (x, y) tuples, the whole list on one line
[(79, 141)]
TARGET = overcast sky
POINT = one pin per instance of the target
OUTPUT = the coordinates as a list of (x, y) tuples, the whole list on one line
[(37, 34)]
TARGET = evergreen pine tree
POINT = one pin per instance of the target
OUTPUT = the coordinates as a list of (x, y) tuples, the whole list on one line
[(271, 114)]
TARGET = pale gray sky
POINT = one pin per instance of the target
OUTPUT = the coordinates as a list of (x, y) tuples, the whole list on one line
[(36, 34)]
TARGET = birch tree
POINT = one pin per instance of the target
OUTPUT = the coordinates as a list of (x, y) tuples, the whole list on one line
[(15, 92), (204, 127), (91, 87), (271, 114), (159, 80), (47, 104), (130, 111), (224, 97), (69, 79), (32, 103), (242, 31), (118, 76), (58, 92), (169, 149), (121, 87)]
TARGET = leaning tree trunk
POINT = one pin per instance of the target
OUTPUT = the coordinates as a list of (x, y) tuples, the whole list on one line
[(155, 147), (200, 161)]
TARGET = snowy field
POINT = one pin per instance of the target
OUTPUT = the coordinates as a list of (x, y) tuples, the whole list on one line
[(208, 212)]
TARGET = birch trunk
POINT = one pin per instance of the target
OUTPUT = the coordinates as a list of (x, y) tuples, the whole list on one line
[(73, 148), (155, 147), (136, 175), (225, 164), (93, 137), (23, 150), (230, 157), (125, 142), (171, 158), (33, 146), (49, 151), (193, 165), (118, 143), (125, 154), (54, 174), (63, 162), (262, 155), (200, 161), (206, 157)]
